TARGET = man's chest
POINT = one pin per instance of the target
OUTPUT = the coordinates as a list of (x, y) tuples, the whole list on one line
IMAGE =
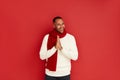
[(65, 42)]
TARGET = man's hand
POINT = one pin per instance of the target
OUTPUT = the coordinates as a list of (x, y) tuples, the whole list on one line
[(58, 44)]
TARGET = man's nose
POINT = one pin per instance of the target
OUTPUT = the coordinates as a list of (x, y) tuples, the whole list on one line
[(62, 25)]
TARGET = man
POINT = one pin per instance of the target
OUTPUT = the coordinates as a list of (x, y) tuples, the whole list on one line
[(58, 49)]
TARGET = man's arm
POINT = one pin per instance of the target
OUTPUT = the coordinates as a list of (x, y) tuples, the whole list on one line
[(71, 52), (44, 53)]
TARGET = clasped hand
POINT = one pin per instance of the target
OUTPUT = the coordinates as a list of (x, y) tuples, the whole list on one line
[(58, 44)]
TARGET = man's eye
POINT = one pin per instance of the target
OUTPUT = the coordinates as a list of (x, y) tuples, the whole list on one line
[(58, 24)]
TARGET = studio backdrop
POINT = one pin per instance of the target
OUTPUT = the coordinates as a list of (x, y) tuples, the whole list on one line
[(94, 23)]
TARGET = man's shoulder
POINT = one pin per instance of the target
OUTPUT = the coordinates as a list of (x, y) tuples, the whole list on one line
[(70, 35), (46, 36)]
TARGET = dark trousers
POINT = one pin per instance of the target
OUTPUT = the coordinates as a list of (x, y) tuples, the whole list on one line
[(57, 78)]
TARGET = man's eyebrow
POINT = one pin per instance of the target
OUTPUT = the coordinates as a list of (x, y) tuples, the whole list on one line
[(62, 23)]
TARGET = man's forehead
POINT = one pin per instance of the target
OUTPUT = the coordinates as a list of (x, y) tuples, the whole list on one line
[(59, 20)]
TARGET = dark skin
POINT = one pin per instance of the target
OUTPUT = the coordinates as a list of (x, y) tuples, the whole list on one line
[(59, 26)]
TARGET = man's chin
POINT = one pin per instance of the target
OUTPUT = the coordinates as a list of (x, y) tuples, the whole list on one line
[(61, 31)]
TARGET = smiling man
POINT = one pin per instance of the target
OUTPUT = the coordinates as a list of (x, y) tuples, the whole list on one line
[(58, 49)]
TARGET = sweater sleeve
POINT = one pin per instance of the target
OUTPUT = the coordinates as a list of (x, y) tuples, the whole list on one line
[(71, 52), (44, 53)]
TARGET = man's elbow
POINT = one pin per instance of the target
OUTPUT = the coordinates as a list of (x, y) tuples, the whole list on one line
[(42, 57), (75, 58)]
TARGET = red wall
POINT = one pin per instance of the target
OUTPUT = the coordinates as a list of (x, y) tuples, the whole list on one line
[(95, 24)]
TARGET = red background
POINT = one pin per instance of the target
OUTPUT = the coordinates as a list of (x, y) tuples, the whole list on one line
[(94, 23)]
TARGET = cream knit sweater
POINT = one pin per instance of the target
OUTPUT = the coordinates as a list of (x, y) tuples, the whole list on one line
[(64, 57)]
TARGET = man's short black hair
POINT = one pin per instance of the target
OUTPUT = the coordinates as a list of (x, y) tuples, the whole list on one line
[(57, 17)]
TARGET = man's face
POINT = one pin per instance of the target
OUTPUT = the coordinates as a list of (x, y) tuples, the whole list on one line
[(59, 25)]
